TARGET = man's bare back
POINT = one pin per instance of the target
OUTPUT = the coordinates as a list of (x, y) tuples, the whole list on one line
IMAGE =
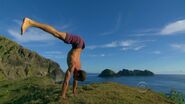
[(73, 58)]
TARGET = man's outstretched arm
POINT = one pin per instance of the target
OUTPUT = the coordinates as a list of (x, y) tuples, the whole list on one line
[(66, 81)]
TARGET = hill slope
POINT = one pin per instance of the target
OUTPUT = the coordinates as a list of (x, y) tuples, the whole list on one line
[(43, 91), (17, 62), (32, 83)]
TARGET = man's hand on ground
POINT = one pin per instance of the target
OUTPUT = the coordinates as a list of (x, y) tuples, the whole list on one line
[(63, 97), (74, 94)]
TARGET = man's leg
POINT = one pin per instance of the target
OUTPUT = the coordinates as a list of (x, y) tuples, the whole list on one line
[(30, 23)]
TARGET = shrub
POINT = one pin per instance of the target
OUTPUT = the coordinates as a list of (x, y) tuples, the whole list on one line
[(176, 96)]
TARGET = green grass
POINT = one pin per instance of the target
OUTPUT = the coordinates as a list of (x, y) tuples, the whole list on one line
[(176, 96), (44, 91)]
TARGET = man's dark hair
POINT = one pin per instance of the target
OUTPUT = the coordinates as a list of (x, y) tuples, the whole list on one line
[(81, 75)]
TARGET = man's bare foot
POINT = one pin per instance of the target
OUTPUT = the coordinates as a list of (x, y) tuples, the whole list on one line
[(25, 25), (63, 101)]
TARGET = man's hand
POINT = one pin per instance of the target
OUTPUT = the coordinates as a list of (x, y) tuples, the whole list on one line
[(75, 84), (66, 81), (63, 100), (62, 97), (75, 94)]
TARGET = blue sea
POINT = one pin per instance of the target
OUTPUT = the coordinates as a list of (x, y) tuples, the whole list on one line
[(159, 83)]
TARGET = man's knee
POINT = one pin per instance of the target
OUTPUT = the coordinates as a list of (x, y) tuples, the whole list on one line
[(61, 35)]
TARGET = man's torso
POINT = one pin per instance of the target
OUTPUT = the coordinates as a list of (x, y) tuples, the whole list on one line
[(73, 58)]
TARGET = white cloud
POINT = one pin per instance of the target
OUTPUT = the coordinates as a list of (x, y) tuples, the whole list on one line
[(156, 52), (108, 32), (98, 55), (174, 27), (17, 22), (102, 55), (54, 54), (134, 45), (31, 35), (180, 47), (39, 45), (146, 32), (127, 43), (115, 28), (113, 44), (139, 34), (134, 48), (66, 26), (92, 47), (110, 45), (169, 29), (138, 48)]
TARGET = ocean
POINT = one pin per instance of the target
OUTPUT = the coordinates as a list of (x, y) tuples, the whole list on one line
[(159, 83)]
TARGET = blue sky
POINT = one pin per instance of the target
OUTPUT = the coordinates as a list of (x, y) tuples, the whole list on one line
[(133, 34)]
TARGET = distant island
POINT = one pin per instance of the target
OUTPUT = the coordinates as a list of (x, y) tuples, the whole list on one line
[(125, 72)]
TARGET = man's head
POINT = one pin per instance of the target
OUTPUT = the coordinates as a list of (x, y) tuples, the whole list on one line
[(81, 75)]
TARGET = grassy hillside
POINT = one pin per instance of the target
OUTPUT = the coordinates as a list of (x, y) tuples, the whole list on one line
[(17, 62), (25, 78), (44, 91)]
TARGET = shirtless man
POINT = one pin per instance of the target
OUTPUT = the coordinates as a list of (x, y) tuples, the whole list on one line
[(73, 58)]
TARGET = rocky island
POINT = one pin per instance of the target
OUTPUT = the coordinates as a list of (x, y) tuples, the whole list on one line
[(125, 72)]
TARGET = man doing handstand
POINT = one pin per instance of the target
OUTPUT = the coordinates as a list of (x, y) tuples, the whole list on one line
[(73, 57)]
